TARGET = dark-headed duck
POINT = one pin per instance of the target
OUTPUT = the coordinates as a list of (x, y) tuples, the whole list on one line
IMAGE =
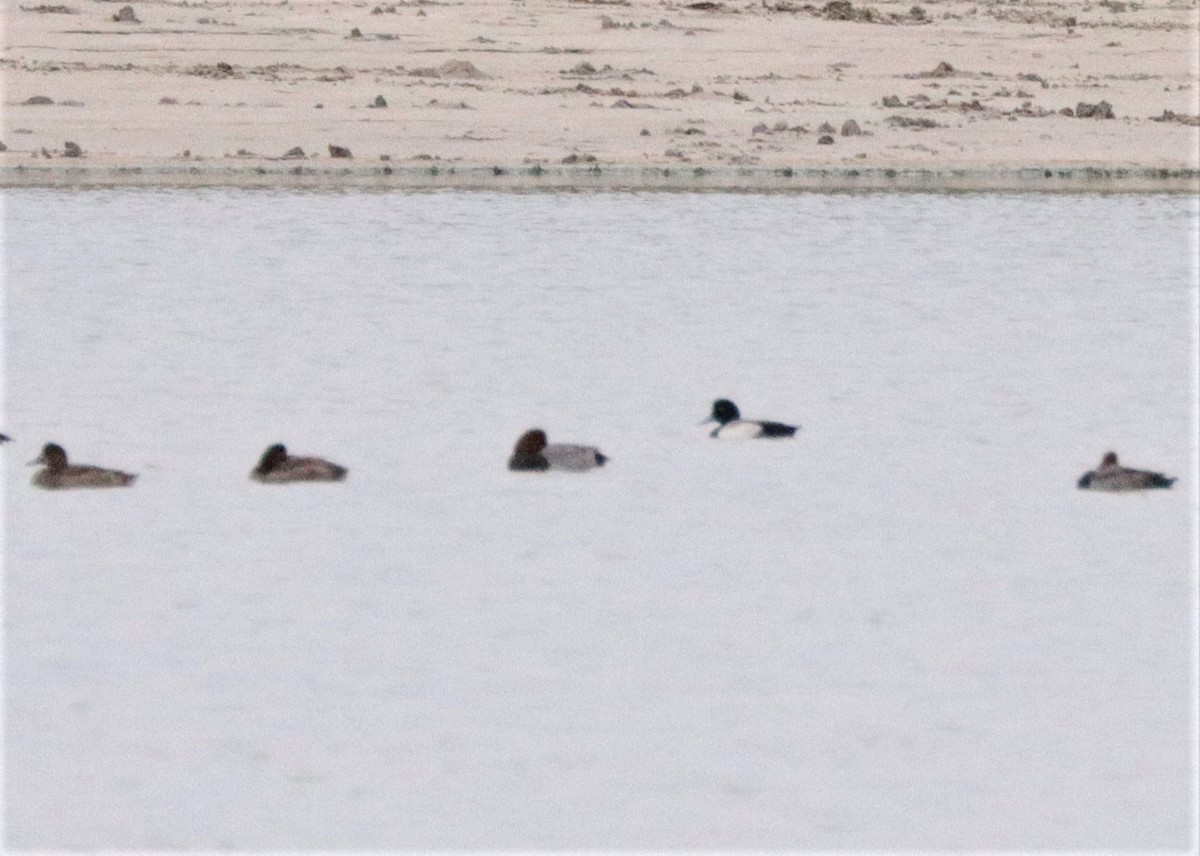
[(532, 452), (731, 425), (277, 466), (58, 473), (1111, 476)]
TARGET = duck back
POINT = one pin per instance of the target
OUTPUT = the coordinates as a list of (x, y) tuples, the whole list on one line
[(82, 476), (564, 456)]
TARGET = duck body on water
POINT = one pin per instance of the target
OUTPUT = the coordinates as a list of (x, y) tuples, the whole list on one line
[(731, 425), (533, 453), (58, 473), (1111, 477), (276, 466)]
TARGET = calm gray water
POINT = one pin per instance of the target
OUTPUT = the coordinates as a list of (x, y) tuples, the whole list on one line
[(904, 628)]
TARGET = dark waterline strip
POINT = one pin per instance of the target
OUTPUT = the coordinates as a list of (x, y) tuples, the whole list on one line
[(599, 178)]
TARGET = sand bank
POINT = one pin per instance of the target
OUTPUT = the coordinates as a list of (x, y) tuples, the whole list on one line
[(625, 94)]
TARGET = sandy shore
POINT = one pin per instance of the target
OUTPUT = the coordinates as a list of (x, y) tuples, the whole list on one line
[(771, 94)]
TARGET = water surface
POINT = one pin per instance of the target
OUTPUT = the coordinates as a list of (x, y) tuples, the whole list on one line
[(905, 628)]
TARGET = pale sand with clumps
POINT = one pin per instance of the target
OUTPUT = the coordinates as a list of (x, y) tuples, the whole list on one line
[(609, 93)]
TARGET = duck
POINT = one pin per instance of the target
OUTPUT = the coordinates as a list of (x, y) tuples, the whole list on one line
[(276, 466), (58, 473), (733, 427), (1111, 476), (533, 453)]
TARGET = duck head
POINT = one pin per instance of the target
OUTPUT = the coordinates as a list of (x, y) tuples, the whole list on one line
[(273, 457), (723, 411), (53, 456)]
